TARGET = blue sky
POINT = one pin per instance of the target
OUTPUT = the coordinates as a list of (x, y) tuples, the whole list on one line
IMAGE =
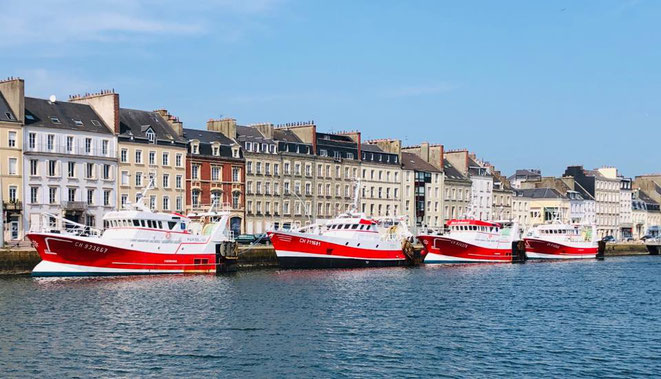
[(524, 84)]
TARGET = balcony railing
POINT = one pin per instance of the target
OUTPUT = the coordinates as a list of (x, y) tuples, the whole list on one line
[(12, 205), (74, 205)]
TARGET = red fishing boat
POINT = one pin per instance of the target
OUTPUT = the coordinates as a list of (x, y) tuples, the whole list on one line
[(561, 241), (470, 240)]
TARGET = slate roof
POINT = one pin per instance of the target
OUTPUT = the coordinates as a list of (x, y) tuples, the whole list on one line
[(411, 161), (646, 198), (5, 112), (249, 133), (133, 122), (540, 193), (206, 138), (286, 136), (370, 148), (43, 113), (451, 172)]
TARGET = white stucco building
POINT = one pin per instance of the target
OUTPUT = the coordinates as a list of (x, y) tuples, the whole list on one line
[(69, 164)]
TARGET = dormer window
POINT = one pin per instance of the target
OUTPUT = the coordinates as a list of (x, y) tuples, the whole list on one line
[(29, 116), (249, 146), (96, 123), (235, 152), (151, 136), (216, 151), (78, 122), (55, 120), (9, 116), (196, 148), (273, 149)]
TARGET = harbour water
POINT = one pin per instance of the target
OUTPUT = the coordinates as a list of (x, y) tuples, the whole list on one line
[(586, 318)]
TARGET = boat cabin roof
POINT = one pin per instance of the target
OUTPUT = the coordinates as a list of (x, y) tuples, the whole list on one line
[(141, 215), (473, 223)]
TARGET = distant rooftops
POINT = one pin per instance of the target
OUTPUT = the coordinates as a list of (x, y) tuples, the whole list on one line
[(5, 111), (146, 126), (540, 193), (413, 162)]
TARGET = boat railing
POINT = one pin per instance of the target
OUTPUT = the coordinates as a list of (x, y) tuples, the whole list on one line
[(49, 224)]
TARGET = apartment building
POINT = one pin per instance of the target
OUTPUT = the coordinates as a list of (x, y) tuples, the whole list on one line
[(12, 116), (214, 175), (69, 163), (534, 206), (625, 221), (150, 150), (481, 198), (605, 190), (646, 213), (422, 192), (338, 167), (524, 175), (381, 177)]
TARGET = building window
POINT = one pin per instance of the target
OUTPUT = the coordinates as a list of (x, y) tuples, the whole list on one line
[(106, 171), (124, 200), (276, 169), (90, 197), (104, 147), (88, 145), (71, 194), (138, 179), (12, 139), (50, 142), (34, 167), (125, 178), (124, 156), (152, 202), (13, 166), (235, 174), (166, 159), (12, 194), (166, 203), (215, 173), (152, 158), (51, 168), (34, 195), (195, 198), (89, 172), (106, 198), (71, 169), (178, 160), (249, 167), (32, 140), (177, 181), (195, 172), (151, 136), (236, 195), (216, 151), (196, 148), (179, 203), (138, 156), (166, 180)]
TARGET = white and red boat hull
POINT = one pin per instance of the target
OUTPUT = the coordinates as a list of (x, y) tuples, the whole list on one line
[(297, 250), (64, 255), (439, 249), (542, 249)]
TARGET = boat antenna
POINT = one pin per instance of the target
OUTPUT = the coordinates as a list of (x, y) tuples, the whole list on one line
[(305, 208), (140, 204)]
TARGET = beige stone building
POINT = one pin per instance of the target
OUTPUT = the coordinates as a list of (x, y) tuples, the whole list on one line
[(150, 150), (605, 190), (535, 206), (424, 185), (12, 116), (646, 214), (381, 177)]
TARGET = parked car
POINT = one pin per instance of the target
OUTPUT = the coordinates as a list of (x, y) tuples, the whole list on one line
[(608, 239), (245, 239), (263, 238)]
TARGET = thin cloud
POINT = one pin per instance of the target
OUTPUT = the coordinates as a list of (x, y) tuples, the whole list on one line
[(41, 22)]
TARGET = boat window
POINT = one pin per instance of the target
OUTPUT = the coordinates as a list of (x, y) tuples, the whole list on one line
[(354, 226), (160, 225), (136, 223), (347, 226), (142, 223), (172, 224)]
